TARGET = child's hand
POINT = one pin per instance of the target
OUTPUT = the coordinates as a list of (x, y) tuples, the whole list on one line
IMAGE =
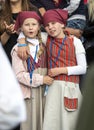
[(57, 71), (23, 52), (47, 80), (54, 72)]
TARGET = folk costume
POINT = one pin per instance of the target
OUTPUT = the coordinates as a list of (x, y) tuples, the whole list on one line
[(55, 109), (30, 76), (64, 97), (33, 93)]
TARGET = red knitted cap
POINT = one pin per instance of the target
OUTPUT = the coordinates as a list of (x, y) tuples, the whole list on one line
[(24, 15), (55, 15)]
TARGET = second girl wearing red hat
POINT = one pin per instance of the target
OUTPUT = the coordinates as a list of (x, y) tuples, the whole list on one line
[(31, 73), (66, 61)]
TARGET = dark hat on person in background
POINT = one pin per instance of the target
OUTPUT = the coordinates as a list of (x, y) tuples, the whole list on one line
[(55, 15), (24, 15)]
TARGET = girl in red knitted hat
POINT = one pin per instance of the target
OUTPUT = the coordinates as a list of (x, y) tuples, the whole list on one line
[(66, 61), (31, 73)]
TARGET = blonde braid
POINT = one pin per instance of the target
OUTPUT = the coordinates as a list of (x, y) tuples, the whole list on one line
[(41, 49)]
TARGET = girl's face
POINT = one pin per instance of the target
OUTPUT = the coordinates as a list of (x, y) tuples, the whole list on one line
[(30, 27), (55, 29)]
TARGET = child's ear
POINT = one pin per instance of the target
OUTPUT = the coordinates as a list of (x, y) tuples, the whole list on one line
[(63, 26)]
